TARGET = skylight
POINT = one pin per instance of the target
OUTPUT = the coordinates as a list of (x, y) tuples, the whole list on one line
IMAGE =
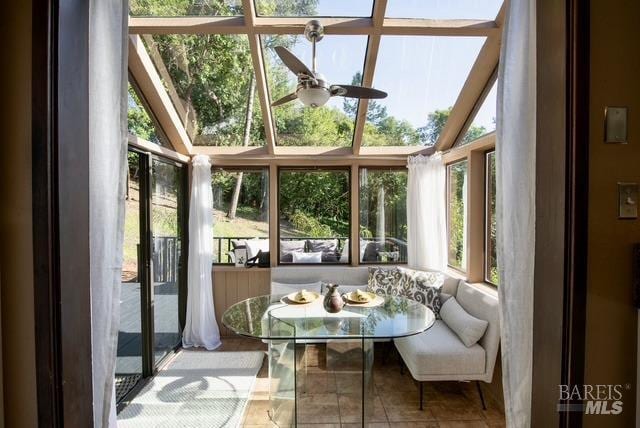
[(185, 8), (423, 77), (443, 9), (335, 8), (210, 79), (340, 59), (484, 120)]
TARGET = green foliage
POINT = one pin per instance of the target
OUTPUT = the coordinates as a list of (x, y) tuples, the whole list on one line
[(457, 177), (138, 120), (310, 226), (320, 195)]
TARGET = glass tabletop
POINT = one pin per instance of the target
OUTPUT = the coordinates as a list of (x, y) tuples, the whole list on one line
[(268, 317)]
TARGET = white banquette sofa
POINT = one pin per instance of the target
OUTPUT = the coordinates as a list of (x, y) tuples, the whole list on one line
[(437, 354)]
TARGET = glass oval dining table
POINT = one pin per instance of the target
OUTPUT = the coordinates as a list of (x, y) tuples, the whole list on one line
[(347, 338)]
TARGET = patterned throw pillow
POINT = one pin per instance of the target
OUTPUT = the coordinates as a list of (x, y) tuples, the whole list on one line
[(423, 287), (385, 281)]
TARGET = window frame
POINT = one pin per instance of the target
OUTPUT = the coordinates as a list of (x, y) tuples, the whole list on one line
[(487, 219), (376, 168), (462, 269), (320, 168), (247, 168)]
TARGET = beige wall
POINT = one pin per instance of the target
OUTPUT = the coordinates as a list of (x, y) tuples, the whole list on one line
[(18, 341), (611, 318)]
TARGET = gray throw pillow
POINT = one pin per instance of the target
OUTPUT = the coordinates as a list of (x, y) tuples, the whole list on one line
[(324, 245), (423, 287), (444, 297), (467, 327), (385, 281)]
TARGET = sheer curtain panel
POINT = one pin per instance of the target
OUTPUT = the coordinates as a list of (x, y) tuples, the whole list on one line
[(107, 181), (426, 213), (515, 175), (201, 329)]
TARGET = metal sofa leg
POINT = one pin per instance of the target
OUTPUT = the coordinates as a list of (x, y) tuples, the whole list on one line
[(484, 407), (421, 394)]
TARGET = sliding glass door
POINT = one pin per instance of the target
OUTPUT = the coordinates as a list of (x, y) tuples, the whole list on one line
[(166, 216), (130, 343), (152, 304)]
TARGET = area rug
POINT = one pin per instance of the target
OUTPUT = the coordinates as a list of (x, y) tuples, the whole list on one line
[(197, 389)]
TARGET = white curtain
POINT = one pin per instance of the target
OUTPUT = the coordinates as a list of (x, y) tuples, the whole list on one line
[(107, 181), (515, 175), (200, 329), (426, 222)]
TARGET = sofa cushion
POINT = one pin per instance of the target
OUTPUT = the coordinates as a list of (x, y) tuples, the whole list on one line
[(278, 288), (423, 287), (385, 281), (324, 245), (467, 327), (439, 352), (254, 246), (287, 248)]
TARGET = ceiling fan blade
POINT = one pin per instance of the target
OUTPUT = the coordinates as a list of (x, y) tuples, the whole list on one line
[(284, 100), (351, 91), (292, 62)]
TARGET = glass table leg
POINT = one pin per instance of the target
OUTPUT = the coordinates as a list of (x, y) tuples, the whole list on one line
[(282, 374)]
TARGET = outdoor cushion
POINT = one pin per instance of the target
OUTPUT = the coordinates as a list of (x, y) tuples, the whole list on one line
[(287, 248), (256, 245), (307, 257), (324, 245), (371, 252), (439, 352), (468, 328)]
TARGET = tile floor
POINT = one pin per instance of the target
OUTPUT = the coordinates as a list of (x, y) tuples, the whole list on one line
[(330, 403)]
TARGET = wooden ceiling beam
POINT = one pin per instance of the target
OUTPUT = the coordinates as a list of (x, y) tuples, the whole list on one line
[(260, 75), (370, 61), (474, 87), (295, 25), (148, 80)]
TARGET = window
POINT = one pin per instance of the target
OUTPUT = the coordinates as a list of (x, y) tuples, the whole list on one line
[(342, 59), (211, 83), (383, 215), (240, 213), (433, 71), (314, 215), (484, 121), (456, 214), (185, 8), (333, 8), (139, 122), (491, 256)]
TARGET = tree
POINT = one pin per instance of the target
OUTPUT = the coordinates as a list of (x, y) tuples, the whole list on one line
[(436, 121)]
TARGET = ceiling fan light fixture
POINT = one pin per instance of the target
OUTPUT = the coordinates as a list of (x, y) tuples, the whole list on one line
[(313, 97)]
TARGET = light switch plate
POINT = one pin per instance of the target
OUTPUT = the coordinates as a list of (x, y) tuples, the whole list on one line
[(615, 124), (628, 200)]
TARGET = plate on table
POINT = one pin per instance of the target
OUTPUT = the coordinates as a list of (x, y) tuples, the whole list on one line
[(363, 299), (298, 298)]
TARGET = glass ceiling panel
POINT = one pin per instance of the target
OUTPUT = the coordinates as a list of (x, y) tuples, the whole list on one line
[(340, 59), (140, 123), (211, 82), (443, 9), (334, 8), (485, 119), (423, 76), (185, 8)]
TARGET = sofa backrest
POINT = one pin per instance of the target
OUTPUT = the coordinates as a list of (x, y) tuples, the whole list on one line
[(343, 275), (485, 306), (346, 275)]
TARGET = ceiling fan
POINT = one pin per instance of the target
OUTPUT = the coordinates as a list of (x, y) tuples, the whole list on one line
[(313, 89)]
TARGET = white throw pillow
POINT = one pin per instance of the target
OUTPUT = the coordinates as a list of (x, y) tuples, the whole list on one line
[(256, 245), (307, 257), (468, 328), (278, 288)]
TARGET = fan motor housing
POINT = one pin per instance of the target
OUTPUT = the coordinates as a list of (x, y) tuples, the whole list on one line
[(314, 30)]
